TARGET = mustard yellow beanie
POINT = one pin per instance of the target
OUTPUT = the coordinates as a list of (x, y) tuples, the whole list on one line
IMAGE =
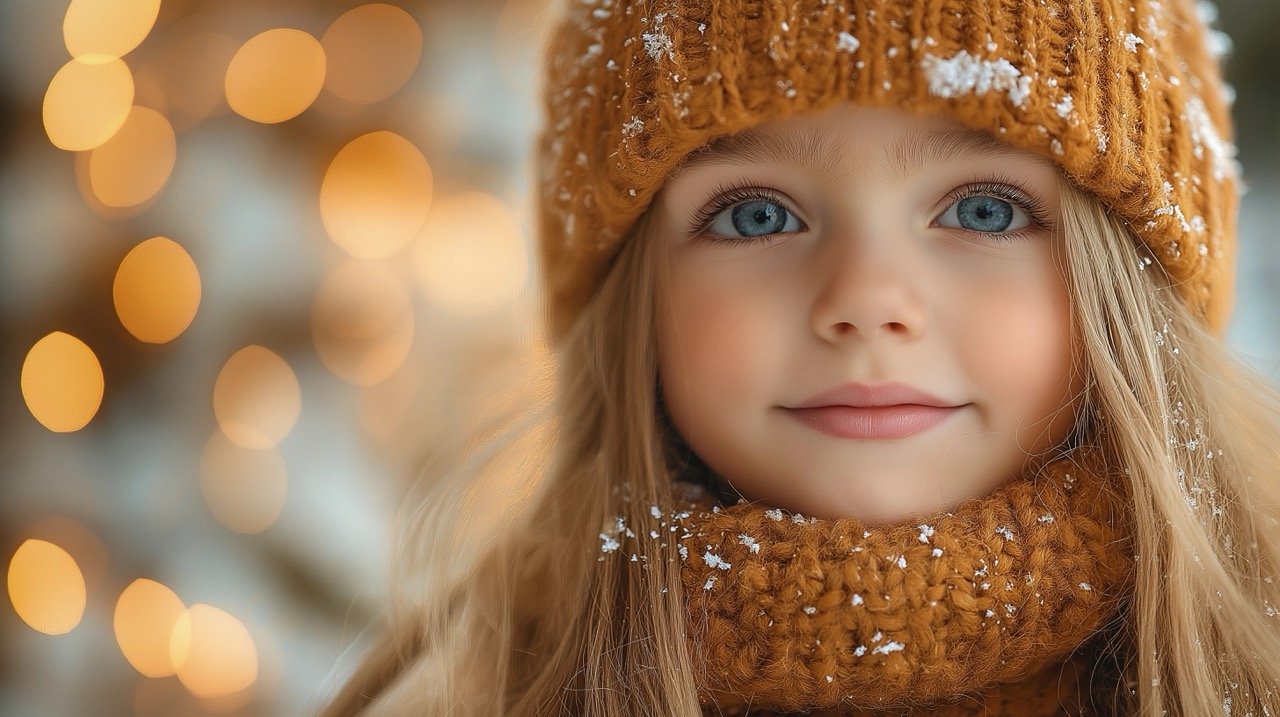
[(1126, 96)]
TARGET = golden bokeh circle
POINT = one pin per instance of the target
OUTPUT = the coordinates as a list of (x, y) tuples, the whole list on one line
[(472, 256), (245, 488), (256, 398), (372, 52), (135, 164), (362, 323), (156, 290), (145, 614), (275, 76), (376, 195), (212, 652), (97, 30), (46, 587), (62, 382), (87, 103)]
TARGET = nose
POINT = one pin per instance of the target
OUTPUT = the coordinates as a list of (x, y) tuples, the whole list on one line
[(869, 288)]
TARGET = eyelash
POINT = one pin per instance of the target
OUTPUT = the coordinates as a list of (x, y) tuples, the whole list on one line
[(998, 186)]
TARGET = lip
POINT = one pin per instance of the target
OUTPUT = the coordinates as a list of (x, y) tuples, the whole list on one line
[(873, 412)]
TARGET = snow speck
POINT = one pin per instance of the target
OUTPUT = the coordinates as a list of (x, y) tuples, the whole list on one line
[(633, 127), (711, 581), (937, 552), (1010, 608), (1205, 135), (1056, 146), (860, 650), (926, 532), (890, 646), (774, 514), (962, 73), (829, 679), (655, 511), (715, 561), (1064, 106), (1086, 587), (798, 518), (902, 561), (658, 42), (750, 542), (1046, 518), (608, 543), (856, 599), (989, 613), (1004, 532), (846, 42), (1131, 42), (684, 552), (809, 609)]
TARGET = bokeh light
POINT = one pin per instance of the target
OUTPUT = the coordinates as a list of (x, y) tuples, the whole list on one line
[(145, 615), (362, 322), (372, 51), (62, 382), (212, 652), (46, 587), (156, 290), (136, 162), (191, 64), (87, 103), (376, 195), (275, 76), (99, 30), (256, 398), (472, 256), (244, 488)]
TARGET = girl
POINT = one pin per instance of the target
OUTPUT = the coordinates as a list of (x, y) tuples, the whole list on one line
[(888, 380)]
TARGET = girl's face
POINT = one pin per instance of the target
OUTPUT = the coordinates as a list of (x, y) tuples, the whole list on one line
[(887, 260)]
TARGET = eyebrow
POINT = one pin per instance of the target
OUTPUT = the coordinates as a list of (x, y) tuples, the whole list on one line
[(812, 149)]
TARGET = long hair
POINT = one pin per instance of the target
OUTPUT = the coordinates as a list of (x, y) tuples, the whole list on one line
[(553, 604)]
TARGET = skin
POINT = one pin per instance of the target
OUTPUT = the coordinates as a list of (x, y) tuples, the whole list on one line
[(872, 277)]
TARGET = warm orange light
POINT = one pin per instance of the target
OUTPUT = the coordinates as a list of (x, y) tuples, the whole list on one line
[(472, 256), (97, 30), (376, 195), (372, 51), (62, 382), (46, 587), (87, 103), (191, 64), (362, 323), (212, 652), (144, 618), (256, 398), (156, 290), (275, 76), (244, 488), (135, 164)]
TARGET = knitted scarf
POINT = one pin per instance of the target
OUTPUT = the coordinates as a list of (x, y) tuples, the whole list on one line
[(980, 610)]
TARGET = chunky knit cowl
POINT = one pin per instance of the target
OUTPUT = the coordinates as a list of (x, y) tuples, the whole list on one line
[(997, 607)]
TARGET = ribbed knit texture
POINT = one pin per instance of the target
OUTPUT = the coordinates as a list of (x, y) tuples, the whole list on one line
[(1124, 95), (974, 611)]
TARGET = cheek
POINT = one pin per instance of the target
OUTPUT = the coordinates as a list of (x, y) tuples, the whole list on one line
[(711, 344), (1022, 347)]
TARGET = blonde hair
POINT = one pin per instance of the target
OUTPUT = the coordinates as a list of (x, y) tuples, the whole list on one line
[(527, 615)]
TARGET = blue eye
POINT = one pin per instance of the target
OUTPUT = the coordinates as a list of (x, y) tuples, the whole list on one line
[(746, 215), (999, 210), (754, 218)]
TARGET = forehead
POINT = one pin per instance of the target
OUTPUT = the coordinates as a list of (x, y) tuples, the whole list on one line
[(908, 143)]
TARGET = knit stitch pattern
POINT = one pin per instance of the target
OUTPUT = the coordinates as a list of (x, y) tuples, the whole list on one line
[(790, 613), (1125, 96)]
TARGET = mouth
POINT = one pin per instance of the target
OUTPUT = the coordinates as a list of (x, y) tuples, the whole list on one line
[(874, 422)]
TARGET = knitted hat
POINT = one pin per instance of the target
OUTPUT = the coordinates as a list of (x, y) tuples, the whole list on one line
[(1125, 96)]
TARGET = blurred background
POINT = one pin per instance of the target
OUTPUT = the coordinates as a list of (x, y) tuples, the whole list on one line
[(255, 258)]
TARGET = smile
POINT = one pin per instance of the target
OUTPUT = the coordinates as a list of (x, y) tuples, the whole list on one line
[(873, 422)]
